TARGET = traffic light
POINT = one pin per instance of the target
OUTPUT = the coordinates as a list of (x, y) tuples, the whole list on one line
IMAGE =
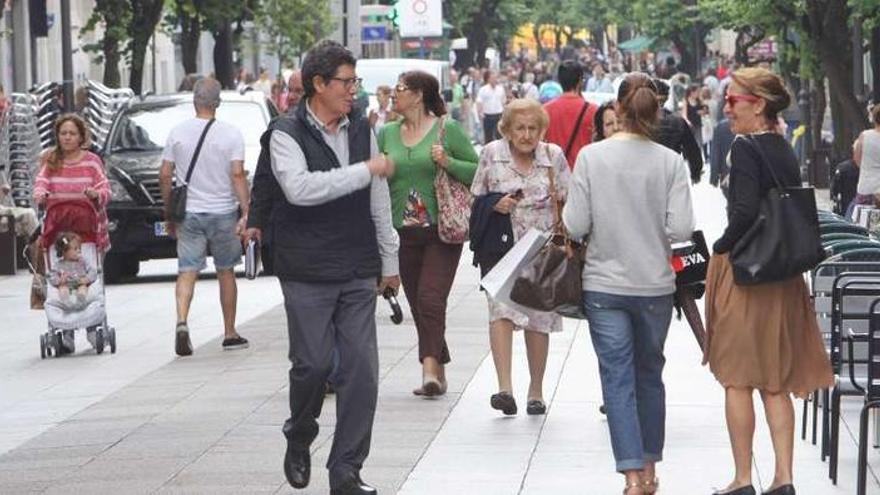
[(394, 15)]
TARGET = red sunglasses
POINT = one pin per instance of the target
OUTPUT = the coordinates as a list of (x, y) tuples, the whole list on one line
[(731, 99)]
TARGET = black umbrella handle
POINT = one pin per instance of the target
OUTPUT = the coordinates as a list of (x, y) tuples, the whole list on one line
[(390, 295)]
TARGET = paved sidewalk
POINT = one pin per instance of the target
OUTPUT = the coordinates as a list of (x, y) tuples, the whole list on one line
[(211, 423)]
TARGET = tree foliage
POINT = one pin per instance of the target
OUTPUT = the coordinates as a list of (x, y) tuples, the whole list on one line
[(114, 16), (292, 26)]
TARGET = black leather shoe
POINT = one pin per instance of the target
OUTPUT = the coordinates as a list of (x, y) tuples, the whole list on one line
[(354, 486), (297, 467), (743, 490), (782, 490)]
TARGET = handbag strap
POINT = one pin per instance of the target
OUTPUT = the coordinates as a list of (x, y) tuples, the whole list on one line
[(195, 158), (757, 146), (577, 127), (554, 195), (441, 132)]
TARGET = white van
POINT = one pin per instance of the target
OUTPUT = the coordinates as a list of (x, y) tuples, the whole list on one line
[(385, 71)]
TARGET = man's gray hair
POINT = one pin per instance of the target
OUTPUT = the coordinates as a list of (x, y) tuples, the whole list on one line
[(206, 93)]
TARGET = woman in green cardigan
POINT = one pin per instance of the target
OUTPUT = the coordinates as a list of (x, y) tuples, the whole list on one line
[(427, 264)]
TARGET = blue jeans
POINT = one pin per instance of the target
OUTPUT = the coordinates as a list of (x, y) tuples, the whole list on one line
[(628, 334)]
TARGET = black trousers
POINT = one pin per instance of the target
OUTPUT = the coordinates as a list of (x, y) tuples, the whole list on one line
[(321, 318), (490, 127)]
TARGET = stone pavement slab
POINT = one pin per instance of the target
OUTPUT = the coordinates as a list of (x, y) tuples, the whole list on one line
[(211, 423)]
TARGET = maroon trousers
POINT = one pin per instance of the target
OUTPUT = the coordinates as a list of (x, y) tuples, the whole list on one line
[(427, 270)]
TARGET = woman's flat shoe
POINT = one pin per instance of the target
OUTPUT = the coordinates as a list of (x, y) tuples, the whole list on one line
[(743, 490), (432, 388), (782, 490), (503, 402), (535, 407)]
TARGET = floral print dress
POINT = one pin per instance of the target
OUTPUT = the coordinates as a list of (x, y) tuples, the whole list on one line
[(497, 173)]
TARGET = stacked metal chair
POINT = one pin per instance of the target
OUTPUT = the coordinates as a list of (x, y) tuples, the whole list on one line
[(843, 287), (20, 145), (102, 107)]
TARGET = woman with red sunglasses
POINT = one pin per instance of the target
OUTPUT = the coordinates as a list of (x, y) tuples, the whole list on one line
[(763, 336)]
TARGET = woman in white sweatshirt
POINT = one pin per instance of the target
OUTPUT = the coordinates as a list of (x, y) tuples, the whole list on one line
[(629, 199)]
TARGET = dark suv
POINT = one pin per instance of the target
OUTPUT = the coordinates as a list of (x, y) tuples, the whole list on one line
[(132, 157)]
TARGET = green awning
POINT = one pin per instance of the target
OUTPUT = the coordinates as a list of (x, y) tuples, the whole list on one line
[(638, 44)]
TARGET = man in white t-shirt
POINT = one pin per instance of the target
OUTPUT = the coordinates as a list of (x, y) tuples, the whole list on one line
[(217, 190), (491, 99)]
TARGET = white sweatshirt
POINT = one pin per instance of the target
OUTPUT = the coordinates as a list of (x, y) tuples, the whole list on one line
[(629, 198)]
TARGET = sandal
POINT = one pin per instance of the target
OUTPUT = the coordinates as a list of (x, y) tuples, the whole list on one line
[(651, 486)]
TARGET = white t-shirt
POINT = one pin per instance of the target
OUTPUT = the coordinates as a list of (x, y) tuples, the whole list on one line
[(492, 99), (869, 171), (210, 188)]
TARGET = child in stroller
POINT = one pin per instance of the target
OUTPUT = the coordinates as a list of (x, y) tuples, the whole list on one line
[(75, 294), (71, 272)]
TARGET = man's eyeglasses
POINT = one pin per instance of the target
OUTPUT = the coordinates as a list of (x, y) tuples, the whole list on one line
[(349, 83), (732, 99)]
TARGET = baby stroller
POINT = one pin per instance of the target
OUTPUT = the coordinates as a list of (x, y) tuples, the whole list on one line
[(80, 217)]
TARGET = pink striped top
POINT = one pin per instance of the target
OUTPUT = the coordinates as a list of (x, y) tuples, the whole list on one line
[(70, 183)]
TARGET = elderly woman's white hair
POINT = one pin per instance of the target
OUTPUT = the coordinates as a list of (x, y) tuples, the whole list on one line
[(519, 107), (206, 93)]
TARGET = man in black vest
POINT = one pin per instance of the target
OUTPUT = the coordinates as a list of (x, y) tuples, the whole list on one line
[(332, 241)]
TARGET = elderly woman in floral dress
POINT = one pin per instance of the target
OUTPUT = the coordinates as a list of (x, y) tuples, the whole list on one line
[(522, 167)]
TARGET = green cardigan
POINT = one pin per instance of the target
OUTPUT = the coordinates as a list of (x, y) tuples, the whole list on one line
[(415, 169)]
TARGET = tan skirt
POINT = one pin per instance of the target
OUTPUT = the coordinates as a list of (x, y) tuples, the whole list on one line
[(763, 336)]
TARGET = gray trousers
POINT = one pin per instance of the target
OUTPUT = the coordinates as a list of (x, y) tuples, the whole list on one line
[(321, 318)]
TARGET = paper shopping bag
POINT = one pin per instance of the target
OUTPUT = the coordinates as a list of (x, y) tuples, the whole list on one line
[(499, 281)]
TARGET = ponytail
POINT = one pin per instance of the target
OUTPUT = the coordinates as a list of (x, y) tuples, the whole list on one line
[(639, 108)]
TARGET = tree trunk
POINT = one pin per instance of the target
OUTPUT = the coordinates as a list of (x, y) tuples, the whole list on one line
[(817, 111), (536, 32), (830, 33), (597, 34), (477, 34), (110, 48), (145, 17), (688, 63), (191, 31), (224, 71), (557, 37), (624, 33), (113, 15)]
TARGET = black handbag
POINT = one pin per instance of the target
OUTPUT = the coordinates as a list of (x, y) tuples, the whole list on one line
[(784, 239), (175, 211)]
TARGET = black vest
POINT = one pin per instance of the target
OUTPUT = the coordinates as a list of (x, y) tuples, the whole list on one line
[(334, 241)]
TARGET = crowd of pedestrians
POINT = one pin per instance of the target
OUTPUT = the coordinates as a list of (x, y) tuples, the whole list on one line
[(346, 206)]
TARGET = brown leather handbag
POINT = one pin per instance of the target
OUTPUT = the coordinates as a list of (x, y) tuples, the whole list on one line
[(551, 281)]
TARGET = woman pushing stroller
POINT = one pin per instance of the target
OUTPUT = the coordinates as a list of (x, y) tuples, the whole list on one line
[(72, 188)]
